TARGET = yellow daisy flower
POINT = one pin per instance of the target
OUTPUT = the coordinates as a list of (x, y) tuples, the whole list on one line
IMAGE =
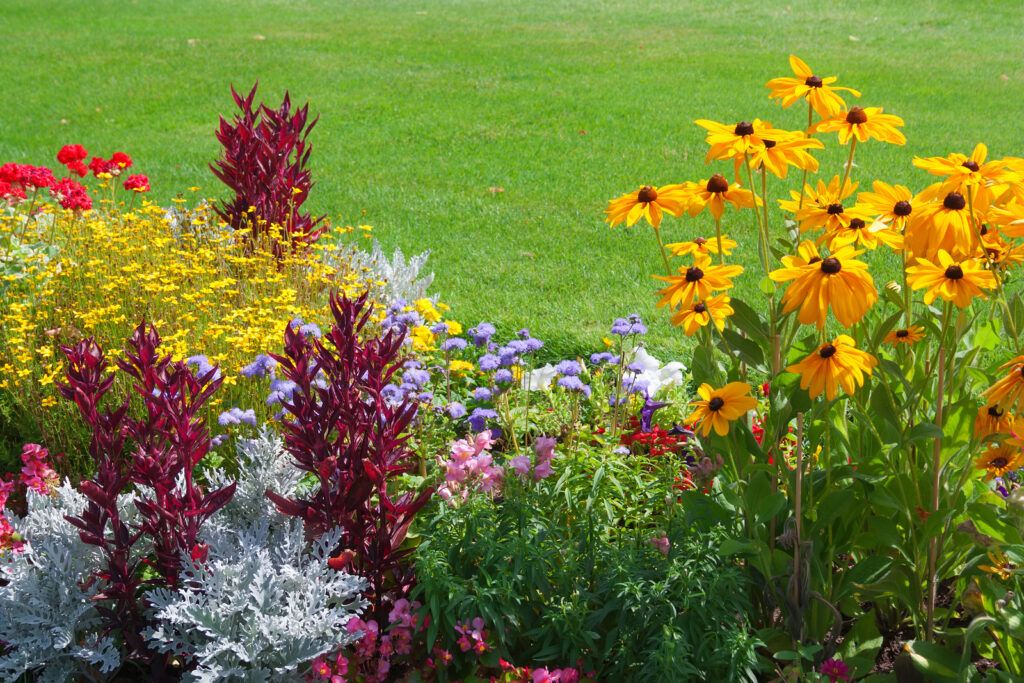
[(714, 193), (964, 172), (718, 407), (906, 335), (650, 202), (698, 314), (863, 123), (992, 419), (1001, 566), (1008, 390), (835, 365), (822, 207), (818, 91), (783, 151), (890, 204), (946, 223), (855, 228), (733, 142), (956, 281), (700, 245), (696, 282), (998, 459), (839, 281)]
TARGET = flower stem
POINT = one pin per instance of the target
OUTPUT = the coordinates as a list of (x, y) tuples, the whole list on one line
[(849, 164), (664, 256), (933, 543), (718, 236), (803, 183)]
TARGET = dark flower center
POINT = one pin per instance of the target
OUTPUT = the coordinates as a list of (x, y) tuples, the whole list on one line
[(715, 404), (954, 272), (856, 115), (998, 463), (955, 201), (984, 230), (700, 241), (769, 144), (971, 165), (693, 274), (814, 259), (995, 411), (835, 208), (831, 266), (744, 128), (902, 208), (700, 308), (647, 194), (902, 333), (813, 81), (827, 351), (856, 224), (718, 184)]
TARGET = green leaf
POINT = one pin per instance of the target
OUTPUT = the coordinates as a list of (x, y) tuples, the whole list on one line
[(766, 285), (938, 663), (925, 431), (741, 347)]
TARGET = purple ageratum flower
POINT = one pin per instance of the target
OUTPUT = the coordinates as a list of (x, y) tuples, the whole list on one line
[(627, 326), (524, 333), (518, 346), (235, 416), (533, 345), (408, 387), (203, 366), (635, 367), (425, 396), (456, 343), (614, 400), (568, 368), (392, 394), (218, 440), (574, 384), (603, 357), (482, 333), (489, 361), (635, 385), (455, 410), (482, 394), (281, 391), (507, 356), (503, 376), (440, 328), (412, 364), (311, 330), (416, 377), (261, 367), (478, 418)]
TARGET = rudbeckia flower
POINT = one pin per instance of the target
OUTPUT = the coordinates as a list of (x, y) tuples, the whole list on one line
[(818, 91), (696, 282), (905, 335), (890, 204), (946, 224), (718, 407), (1001, 565), (999, 459), (964, 172), (839, 281), (701, 245), (861, 123), (649, 202), (698, 314), (956, 281), (713, 193), (779, 153), (993, 419), (733, 142), (822, 207), (1008, 390), (856, 229), (839, 364)]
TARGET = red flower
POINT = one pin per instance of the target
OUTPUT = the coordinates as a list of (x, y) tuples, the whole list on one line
[(78, 168), (70, 154), (121, 159), (13, 173), (138, 183), (71, 194), (99, 165), (38, 176)]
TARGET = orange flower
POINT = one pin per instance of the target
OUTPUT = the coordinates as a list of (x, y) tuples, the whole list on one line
[(696, 282), (714, 193), (818, 91), (907, 335), (648, 202), (891, 204), (1008, 390), (734, 142), (964, 172), (862, 124)]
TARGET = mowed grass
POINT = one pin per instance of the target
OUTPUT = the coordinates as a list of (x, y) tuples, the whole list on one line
[(426, 106)]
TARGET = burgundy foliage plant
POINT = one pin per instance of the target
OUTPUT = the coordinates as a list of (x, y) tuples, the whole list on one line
[(342, 430), (264, 164)]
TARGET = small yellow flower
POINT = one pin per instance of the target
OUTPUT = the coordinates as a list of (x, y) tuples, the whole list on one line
[(905, 335), (650, 202), (1001, 566), (862, 123), (718, 407)]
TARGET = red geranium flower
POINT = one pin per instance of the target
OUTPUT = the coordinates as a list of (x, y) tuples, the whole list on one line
[(121, 159), (70, 154), (138, 183), (71, 194), (78, 168), (99, 165)]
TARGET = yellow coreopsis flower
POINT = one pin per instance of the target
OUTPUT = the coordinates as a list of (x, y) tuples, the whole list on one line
[(818, 91), (965, 172), (714, 193), (700, 245), (998, 459), (1008, 390), (696, 282), (863, 123), (835, 365), (838, 281), (718, 407), (650, 202), (697, 314), (956, 281), (855, 229), (890, 204)]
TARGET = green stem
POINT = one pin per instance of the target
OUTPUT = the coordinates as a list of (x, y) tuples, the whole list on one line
[(718, 236), (849, 164), (664, 256), (803, 183)]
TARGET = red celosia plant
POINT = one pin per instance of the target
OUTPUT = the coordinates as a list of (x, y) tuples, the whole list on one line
[(264, 164), (168, 443), (343, 431)]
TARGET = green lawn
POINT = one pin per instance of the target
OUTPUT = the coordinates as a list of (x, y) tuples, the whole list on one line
[(424, 106)]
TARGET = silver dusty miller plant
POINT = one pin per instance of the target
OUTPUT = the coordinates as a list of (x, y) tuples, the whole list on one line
[(261, 606), (47, 617), (401, 277)]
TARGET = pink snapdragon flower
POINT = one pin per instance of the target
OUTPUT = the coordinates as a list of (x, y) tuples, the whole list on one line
[(37, 473), (470, 465)]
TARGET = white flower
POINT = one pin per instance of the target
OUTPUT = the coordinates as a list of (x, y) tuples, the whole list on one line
[(540, 379), (656, 375)]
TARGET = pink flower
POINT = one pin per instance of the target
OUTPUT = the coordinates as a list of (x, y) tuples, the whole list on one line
[(543, 470), (37, 473), (545, 676), (521, 464), (662, 543), (836, 670), (483, 441), (544, 446)]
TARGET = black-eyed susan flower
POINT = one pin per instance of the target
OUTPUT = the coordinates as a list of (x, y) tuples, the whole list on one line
[(858, 229), (818, 91), (998, 459), (834, 365), (954, 280), (965, 172), (1010, 388), (905, 335), (889, 204), (697, 314), (863, 123), (944, 220), (734, 142), (822, 207), (807, 253), (650, 202), (718, 407), (839, 281), (713, 193), (1001, 565), (783, 149), (993, 419), (696, 282), (701, 245)]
